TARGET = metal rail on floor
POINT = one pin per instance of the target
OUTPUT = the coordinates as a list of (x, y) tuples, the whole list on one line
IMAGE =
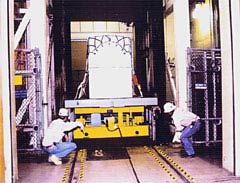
[(68, 173), (161, 163), (186, 177), (74, 171)]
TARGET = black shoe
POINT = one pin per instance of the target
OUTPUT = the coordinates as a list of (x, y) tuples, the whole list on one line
[(183, 155), (188, 156), (192, 156)]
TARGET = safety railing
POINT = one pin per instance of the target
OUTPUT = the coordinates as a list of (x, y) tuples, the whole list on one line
[(28, 99), (204, 92)]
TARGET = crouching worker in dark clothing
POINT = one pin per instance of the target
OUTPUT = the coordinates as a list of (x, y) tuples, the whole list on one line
[(54, 134), (164, 130)]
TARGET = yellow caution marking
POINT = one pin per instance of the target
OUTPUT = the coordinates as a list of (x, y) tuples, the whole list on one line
[(160, 163), (98, 153), (18, 80), (171, 161), (66, 172), (82, 157)]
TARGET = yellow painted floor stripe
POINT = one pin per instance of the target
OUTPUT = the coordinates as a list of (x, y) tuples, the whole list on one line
[(160, 163), (190, 178), (66, 172), (82, 157)]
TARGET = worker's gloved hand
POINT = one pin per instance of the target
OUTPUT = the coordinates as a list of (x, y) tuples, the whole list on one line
[(177, 137), (80, 125)]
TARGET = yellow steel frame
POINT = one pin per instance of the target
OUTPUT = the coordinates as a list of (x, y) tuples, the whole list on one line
[(129, 123)]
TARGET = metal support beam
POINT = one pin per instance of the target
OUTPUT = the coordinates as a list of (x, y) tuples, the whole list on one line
[(21, 29), (182, 42), (2, 163), (230, 38), (39, 40), (7, 118)]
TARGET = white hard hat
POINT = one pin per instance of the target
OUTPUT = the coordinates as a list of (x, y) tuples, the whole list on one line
[(63, 112), (169, 107)]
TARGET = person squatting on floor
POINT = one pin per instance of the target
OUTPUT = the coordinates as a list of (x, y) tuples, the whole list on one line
[(55, 134), (186, 122)]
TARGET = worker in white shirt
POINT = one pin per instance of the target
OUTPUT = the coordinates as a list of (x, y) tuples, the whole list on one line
[(187, 123), (55, 133)]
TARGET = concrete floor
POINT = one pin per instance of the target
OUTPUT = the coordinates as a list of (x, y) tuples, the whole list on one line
[(205, 167)]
